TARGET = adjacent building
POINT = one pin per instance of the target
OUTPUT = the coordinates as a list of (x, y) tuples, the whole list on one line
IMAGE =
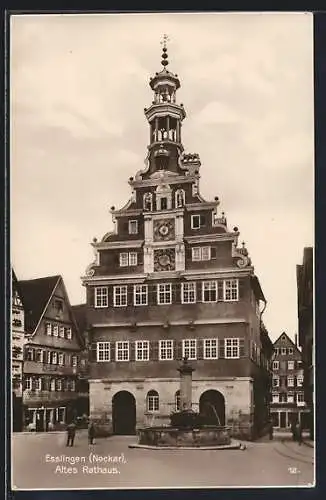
[(288, 402), (17, 353), (306, 328), (171, 281), (52, 350)]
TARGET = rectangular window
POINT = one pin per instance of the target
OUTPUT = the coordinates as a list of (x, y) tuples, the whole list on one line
[(103, 351), (58, 305), (48, 357), (195, 221), (62, 332), (122, 351), (54, 358), (29, 354), (124, 261), (290, 398), (72, 385), (38, 384), (59, 384), (133, 259), (120, 296), (201, 253), (283, 351), (276, 350), (275, 398), (290, 365), (188, 293), (164, 293), (209, 291), (142, 350), (232, 348), (140, 295), (39, 355), (55, 330), (133, 227), (283, 397), (189, 349), (52, 385), (231, 290), (48, 328), (300, 380), (291, 381), (69, 334), (61, 359), (210, 348), (166, 350), (300, 397), (276, 365), (28, 383), (101, 296), (74, 360), (290, 350)]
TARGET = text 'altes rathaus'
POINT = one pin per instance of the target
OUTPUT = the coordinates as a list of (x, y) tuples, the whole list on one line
[(171, 282)]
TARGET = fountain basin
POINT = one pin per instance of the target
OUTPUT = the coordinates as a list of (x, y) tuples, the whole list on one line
[(207, 436)]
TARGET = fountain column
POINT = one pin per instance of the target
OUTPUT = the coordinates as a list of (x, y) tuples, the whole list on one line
[(185, 371)]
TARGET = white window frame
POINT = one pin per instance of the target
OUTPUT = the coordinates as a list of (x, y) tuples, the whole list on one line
[(53, 385), (133, 258), (152, 402), (182, 193), (189, 349), (133, 226), (283, 397), (101, 297), (291, 365), (187, 295), (196, 254), (300, 380), (206, 249), (275, 397), (142, 350), (48, 328), (276, 365), (300, 397), (60, 359), (201, 253), (38, 384), (55, 331), (290, 397), (28, 383), (290, 378), (166, 350), (59, 385), (103, 350), (290, 350), (74, 360), (140, 294), (232, 343), (210, 290), (122, 348), (54, 358), (193, 218), (69, 333), (231, 290), (209, 346), (61, 332), (283, 351), (123, 259), (38, 356), (121, 292), (167, 291), (276, 381), (73, 385), (276, 351)]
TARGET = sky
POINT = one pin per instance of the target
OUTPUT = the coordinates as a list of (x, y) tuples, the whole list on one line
[(78, 89)]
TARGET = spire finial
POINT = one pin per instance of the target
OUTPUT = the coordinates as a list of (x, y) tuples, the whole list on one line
[(165, 61)]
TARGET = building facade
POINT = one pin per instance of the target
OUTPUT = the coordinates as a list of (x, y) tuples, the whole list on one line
[(52, 349), (17, 353), (288, 403), (306, 327), (170, 281)]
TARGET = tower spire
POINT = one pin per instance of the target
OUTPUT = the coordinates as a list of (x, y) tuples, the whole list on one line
[(165, 60)]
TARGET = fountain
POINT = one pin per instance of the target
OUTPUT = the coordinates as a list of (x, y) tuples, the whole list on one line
[(187, 429)]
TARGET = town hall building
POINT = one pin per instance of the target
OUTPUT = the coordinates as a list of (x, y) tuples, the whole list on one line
[(171, 281)]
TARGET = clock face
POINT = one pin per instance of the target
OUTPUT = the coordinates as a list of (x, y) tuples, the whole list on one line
[(164, 259), (164, 230)]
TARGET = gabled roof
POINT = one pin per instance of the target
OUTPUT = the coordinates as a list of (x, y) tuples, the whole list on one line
[(288, 340), (79, 312), (36, 295)]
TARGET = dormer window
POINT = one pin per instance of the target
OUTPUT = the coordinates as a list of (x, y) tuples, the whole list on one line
[(179, 198), (197, 221), (148, 201), (133, 227)]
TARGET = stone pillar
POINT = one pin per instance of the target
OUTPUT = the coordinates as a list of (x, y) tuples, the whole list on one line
[(185, 385)]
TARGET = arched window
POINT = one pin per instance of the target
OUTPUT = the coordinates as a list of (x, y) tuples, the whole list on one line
[(177, 401), (152, 401), (179, 198), (148, 201)]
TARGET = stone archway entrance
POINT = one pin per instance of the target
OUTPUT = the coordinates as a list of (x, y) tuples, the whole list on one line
[(212, 404), (124, 413)]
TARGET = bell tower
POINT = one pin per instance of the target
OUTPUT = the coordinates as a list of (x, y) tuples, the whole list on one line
[(165, 118)]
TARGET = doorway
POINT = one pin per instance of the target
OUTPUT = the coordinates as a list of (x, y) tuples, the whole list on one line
[(124, 413), (212, 405), (282, 419)]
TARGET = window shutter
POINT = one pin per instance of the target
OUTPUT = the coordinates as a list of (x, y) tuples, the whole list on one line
[(175, 293), (199, 296), (221, 349), (202, 220), (242, 348), (91, 296), (92, 352), (213, 252), (242, 288), (151, 295), (112, 351), (130, 295), (220, 290), (132, 351), (200, 348), (178, 349), (140, 258), (188, 253), (153, 350)]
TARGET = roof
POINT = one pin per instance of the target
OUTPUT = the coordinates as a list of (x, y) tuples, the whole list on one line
[(79, 312), (16, 287), (36, 294), (278, 340)]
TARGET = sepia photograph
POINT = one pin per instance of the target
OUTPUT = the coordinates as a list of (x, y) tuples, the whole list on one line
[(162, 250)]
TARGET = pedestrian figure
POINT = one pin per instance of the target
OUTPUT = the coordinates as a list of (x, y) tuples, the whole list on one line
[(299, 433), (293, 430), (71, 431), (270, 430), (91, 432)]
